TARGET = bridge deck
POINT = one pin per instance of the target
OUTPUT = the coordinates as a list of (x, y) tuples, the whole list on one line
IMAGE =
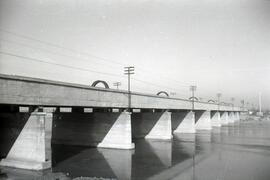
[(32, 91)]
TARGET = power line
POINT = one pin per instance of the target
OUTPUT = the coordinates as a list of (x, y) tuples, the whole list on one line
[(89, 70), (57, 64), (60, 47), (52, 52), (156, 85), (76, 68), (91, 55), (166, 77), (60, 54), (88, 54)]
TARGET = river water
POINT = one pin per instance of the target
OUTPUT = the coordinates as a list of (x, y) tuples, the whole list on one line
[(236, 152)]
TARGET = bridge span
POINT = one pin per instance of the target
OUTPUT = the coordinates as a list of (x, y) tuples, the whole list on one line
[(66, 113), (32, 91)]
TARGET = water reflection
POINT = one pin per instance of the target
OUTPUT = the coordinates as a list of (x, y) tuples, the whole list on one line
[(183, 149), (238, 152), (151, 157), (86, 162), (12, 173), (120, 161), (163, 150), (216, 136)]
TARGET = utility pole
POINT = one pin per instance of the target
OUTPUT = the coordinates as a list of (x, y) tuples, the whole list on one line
[(129, 71), (218, 96), (117, 84), (247, 104), (243, 104), (232, 102), (260, 102), (172, 93), (193, 89)]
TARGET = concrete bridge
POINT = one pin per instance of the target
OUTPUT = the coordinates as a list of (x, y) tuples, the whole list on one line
[(65, 113)]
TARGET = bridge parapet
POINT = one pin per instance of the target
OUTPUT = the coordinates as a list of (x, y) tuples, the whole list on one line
[(32, 91)]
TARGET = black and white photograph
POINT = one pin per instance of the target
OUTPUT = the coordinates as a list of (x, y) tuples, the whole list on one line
[(135, 89)]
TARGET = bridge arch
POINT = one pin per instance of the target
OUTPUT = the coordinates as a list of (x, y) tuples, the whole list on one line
[(102, 82), (193, 98), (163, 92), (211, 101)]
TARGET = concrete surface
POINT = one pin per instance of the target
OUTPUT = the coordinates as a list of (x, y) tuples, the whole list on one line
[(203, 120), (119, 136), (143, 122), (153, 125), (215, 119), (83, 129), (187, 125), (237, 116), (32, 148), (11, 124), (162, 129), (224, 118), (231, 117), (15, 90)]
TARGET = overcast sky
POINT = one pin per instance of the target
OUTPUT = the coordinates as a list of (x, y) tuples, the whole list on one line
[(220, 46)]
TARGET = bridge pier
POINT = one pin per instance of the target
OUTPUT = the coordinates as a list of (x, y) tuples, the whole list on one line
[(162, 128), (231, 118), (237, 116), (152, 125), (186, 124), (96, 128), (32, 148), (119, 136), (224, 118), (215, 119), (203, 120)]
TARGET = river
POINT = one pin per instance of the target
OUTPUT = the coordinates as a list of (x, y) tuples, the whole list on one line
[(235, 152)]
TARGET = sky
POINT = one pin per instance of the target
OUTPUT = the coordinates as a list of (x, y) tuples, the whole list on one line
[(219, 46)]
